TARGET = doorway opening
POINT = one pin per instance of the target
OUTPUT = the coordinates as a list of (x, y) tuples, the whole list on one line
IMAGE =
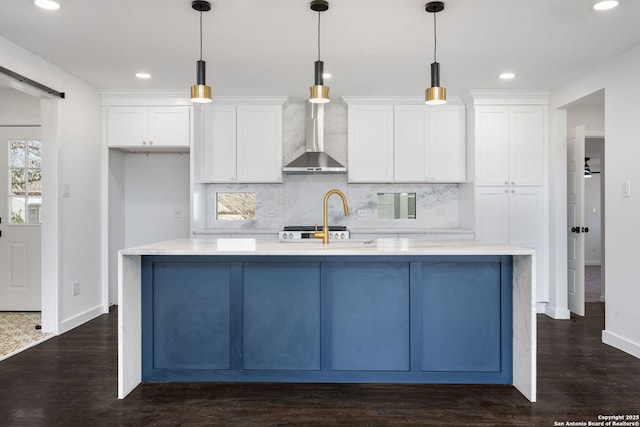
[(586, 202), (594, 219)]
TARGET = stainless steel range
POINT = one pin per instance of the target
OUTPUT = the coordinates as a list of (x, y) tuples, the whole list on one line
[(305, 233)]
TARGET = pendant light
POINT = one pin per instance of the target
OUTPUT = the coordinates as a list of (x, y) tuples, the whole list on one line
[(319, 93), (587, 169), (200, 92), (435, 95)]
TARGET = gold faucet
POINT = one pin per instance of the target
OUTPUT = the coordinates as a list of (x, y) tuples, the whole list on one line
[(324, 234)]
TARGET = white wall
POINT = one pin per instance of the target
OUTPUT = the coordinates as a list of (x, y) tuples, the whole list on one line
[(156, 185), (115, 237), (17, 108), (591, 116), (619, 78), (71, 134)]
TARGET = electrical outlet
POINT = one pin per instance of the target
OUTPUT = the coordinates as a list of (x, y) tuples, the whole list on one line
[(270, 213), (75, 288), (362, 212), (441, 212), (178, 213)]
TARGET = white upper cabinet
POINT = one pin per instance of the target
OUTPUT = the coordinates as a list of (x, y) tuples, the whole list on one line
[(410, 133), (509, 145), (429, 143), (218, 155), (148, 126), (370, 143), (241, 144), (259, 139), (401, 140)]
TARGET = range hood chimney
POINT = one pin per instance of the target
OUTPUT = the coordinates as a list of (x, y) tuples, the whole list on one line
[(314, 160)]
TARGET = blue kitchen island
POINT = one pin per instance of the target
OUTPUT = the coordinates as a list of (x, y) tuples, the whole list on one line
[(387, 310)]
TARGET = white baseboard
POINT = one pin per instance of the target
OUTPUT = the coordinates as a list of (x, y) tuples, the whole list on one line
[(557, 313), (621, 343), (78, 320)]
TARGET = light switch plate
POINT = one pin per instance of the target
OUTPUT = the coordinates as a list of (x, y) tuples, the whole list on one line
[(626, 189)]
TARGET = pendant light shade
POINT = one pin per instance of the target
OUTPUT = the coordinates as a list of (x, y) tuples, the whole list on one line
[(200, 92), (319, 93), (435, 95)]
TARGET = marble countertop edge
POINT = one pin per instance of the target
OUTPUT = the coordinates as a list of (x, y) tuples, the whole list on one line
[(373, 247)]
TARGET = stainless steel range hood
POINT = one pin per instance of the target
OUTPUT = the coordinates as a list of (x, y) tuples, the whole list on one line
[(314, 160)]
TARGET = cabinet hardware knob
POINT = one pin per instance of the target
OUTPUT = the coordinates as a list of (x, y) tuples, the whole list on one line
[(513, 183)]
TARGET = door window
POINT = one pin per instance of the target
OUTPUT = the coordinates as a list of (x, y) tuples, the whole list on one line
[(25, 181)]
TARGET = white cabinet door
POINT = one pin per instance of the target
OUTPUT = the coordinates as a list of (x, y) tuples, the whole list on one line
[(142, 126), (127, 126), (370, 143), (492, 214), (219, 144), (509, 145), (446, 144), (514, 216), (492, 145), (429, 143), (242, 144), (526, 128), (259, 143), (526, 208), (169, 126), (409, 143)]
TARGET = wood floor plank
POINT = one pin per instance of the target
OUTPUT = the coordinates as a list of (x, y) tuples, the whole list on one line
[(70, 380)]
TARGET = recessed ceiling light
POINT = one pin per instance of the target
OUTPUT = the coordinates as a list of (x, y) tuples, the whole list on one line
[(605, 4), (47, 4), (143, 75), (506, 76)]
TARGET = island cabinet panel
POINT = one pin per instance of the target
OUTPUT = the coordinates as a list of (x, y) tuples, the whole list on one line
[(191, 315), (460, 325), (366, 307), (404, 319), (281, 316)]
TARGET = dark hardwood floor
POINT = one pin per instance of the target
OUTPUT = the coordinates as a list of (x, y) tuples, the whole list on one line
[(71, 381)]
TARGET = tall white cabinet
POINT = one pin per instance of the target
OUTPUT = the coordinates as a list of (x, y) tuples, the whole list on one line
[(507, 159)]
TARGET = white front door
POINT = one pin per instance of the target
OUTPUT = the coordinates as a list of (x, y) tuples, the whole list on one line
[(575, 221), (20, 204)]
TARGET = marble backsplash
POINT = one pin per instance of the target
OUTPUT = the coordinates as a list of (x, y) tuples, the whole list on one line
[(298, 200)]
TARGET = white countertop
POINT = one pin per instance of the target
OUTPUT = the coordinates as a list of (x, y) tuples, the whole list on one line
[(353, 231), (213, 246)]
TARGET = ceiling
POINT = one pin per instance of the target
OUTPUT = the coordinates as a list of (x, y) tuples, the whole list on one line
[(372, 47)]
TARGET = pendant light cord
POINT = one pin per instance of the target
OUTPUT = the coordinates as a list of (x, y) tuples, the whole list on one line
[(435, 40), (200, 35), (318, 36)]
